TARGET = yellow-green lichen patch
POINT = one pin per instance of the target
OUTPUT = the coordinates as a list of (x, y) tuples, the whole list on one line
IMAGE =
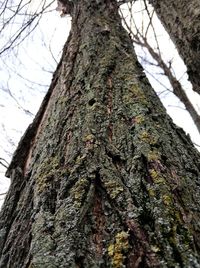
[(156, 176), (80, 159), (62, 100), (113, 188), (79, 190), (178, 216), (167, 200), (89, 141), (46, 171), (148, 138), (151, 192), (138, 94), (139, 119), (117, 250), (153, 155), (89, 137)]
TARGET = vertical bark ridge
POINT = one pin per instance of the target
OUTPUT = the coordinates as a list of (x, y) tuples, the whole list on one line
[(110, 180)]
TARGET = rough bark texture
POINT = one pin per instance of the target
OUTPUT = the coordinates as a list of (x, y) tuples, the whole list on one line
[(102, 178), (181, 19)]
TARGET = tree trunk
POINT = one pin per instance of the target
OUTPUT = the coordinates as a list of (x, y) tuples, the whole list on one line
[(181, 21), (102, 177)]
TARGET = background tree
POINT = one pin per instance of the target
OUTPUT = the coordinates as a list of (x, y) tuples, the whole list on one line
[(183, 26), (102, 177), (145, 33)]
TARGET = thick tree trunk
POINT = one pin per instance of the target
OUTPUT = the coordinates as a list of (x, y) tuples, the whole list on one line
[(102, 178), (181, 20)]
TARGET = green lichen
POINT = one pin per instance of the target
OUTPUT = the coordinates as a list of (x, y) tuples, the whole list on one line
[(153, 155), (148, 138), (62, 100), (167, 200), (80, 159), (89, 137), (113, 188), (79, 190), (138, 94), (151, 192), (117, 250), (46, 172), (156, 176), (139, 119)]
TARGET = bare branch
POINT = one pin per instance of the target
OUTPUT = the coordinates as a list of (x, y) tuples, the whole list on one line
[(3, 193), (140, 39), (3, 161), (19, 15)]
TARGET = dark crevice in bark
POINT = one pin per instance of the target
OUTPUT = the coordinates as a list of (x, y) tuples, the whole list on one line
[(79, 262), (92, 102), (146, 164), (116, 159), (50, 200), (177, 256)]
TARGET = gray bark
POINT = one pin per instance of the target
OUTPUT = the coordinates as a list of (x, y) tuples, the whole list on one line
[(181, 20), (102, 177)]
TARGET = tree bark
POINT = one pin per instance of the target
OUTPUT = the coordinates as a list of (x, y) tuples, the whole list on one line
[(102, 177), (181, 21)]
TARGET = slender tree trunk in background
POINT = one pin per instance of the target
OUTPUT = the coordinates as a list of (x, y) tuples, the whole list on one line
[(181, 20), (175, 84), (102, 178)]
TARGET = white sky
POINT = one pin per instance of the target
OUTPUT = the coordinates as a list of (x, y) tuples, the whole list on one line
[(34, 62)]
